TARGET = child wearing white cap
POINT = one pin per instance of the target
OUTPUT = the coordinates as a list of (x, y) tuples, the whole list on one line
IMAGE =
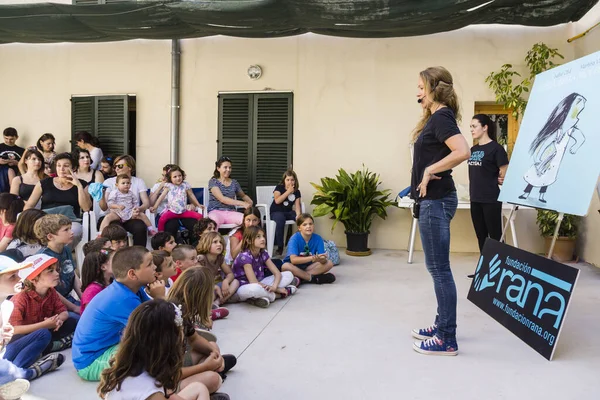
[(14, 381)]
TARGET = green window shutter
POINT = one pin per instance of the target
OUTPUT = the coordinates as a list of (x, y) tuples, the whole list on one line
[(112, 124), (273, 126), (83, 116), (235, 127)]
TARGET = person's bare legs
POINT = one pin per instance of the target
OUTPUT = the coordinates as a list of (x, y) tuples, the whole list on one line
[(233, 287), (314, 269), (110, 217), (143, 217), (211, 379), (192, 390)]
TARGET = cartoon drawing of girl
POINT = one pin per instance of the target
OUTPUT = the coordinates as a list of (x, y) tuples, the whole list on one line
[(550, 144)]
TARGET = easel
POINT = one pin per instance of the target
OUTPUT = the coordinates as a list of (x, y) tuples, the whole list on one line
[(559, 220), (510, 222)]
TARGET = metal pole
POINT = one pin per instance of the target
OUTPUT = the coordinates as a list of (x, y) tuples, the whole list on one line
[(558, 222), (175, 97)]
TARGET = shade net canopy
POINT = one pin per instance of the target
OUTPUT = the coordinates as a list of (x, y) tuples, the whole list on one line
[(125, 20)]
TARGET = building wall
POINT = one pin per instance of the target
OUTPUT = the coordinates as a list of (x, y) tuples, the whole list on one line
[(354, 101), (588, 248)]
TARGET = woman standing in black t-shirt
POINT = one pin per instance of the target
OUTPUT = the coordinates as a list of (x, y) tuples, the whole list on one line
[(285, 206), (487, 167), (438, 147)]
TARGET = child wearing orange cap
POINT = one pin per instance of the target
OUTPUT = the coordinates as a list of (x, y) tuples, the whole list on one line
[(13, 379), (39, 316)]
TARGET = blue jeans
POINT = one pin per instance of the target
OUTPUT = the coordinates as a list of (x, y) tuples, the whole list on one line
[(434, 226), (280, 217), (9, 372), (24, 350)]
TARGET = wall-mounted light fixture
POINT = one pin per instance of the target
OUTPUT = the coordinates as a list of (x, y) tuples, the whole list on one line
[(254, 72)]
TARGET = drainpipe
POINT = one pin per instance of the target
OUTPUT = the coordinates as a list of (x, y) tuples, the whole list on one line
[(175, 96)]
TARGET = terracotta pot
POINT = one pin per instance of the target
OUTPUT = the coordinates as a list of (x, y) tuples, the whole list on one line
[(564, 249)]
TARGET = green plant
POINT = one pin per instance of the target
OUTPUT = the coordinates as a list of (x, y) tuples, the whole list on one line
[(546, 221), (352, 199), (510, 94)]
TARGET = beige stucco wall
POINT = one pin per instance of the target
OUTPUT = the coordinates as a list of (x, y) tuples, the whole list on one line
[(354, 100), (590, 231)]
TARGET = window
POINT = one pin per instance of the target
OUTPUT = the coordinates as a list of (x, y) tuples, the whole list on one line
[(507, 126), (255, 131), (110, 118)]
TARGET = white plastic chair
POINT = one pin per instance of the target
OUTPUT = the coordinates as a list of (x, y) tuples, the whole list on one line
[(264, 198), (90, 232)]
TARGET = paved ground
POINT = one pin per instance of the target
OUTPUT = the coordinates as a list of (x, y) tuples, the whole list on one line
[(351, 340)]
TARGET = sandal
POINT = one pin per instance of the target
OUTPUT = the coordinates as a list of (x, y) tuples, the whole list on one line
[(56, 360)]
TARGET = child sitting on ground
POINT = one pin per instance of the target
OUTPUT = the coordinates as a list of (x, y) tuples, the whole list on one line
[(96, 245), (251, 218), (249, 267), (193, 293), (203, 225), (41, 321), (163, 241), (117, 236), (210, 255), (306, 257), (121, 203), (184, 256), (177, 192), (54, 232), (149, 363), (96, 274), (101, 326), (13, 379), (10, 206), (165, 268)]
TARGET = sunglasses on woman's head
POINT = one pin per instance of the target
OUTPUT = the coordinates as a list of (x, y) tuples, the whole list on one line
[(222, 159)]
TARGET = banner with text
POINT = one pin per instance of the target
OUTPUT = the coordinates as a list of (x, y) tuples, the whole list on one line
[(528, 294)]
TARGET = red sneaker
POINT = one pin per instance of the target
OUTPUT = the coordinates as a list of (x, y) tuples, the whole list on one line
[(219, 313)]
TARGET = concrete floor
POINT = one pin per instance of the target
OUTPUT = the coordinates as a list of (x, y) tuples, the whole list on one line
[(351, 340)]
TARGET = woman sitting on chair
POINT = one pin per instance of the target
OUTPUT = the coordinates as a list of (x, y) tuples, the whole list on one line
[(285, 206)]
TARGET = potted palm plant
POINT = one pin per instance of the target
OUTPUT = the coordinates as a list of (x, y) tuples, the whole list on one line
[(354, 200), (564, 249)]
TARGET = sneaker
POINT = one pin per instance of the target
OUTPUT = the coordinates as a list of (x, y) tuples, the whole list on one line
[(229, 362), (471, 276), (219, 396), (424, 334), (321, 279), (296, 281), (205, 333), (14, 390), (219, 313), (436, 347), (261, 302), (290, 290)]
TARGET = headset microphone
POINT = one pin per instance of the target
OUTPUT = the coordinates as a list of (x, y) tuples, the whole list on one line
[(420, 100)]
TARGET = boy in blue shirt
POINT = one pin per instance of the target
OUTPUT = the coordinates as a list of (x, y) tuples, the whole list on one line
[(99, 330), (306, 257)]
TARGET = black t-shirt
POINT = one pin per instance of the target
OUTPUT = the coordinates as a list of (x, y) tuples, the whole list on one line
[(55, 197), (11, 153), (484, 168), (288, 204), (429, 149)]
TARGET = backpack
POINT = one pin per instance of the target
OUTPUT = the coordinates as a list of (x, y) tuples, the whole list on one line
[(332, 251)]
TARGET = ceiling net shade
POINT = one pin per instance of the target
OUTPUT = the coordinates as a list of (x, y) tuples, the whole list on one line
[(125, 20)]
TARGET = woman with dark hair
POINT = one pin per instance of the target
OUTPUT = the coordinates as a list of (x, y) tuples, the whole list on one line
[(224, 195), (126, 165), (438, 147), (32, 171), (83, 162), (10, 206), (549, 146), (487, 168), (45, 145), (24, 238), (286, 205), (87, 141), (65, 190)]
